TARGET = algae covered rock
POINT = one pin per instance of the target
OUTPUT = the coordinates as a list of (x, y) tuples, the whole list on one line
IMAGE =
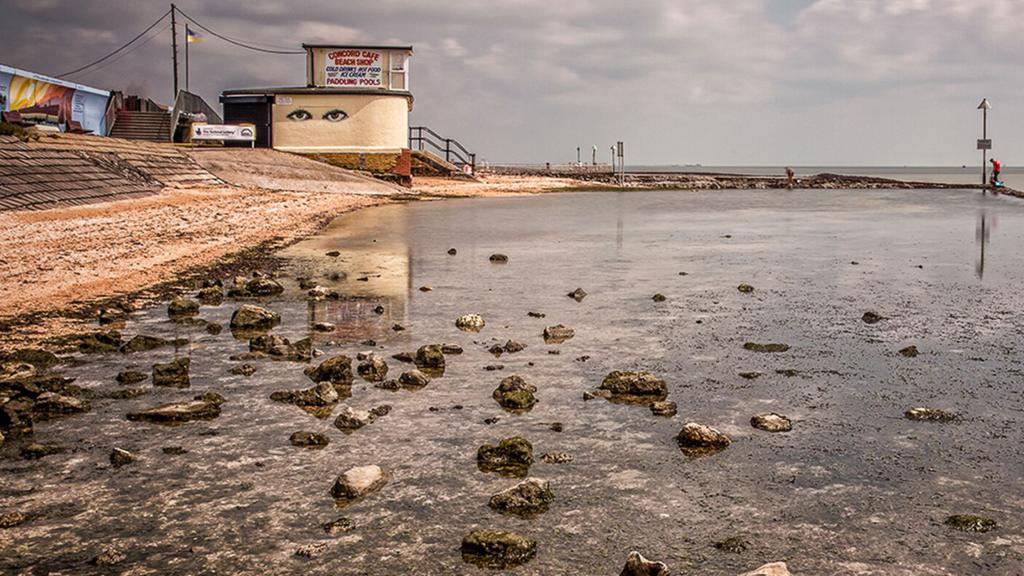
[(870, 317), (129, 377), (336, 370), (514, 394), (498, 258), (182, 307), (144, 343), (511, 456), (637, 565), (909, 352), (745, 288), (558, 334), (970, 523), (930, 415), (304, 439), (430, 356), (529, 497), (664, 408), (497, 548), (769, 348), (697, 439), (578, 294), (178, 412), (173, 374), (249, 317), (259, 285), (771, 422), (633, 385), (351, 419), (51, 404), (373, 368), (322, 394)]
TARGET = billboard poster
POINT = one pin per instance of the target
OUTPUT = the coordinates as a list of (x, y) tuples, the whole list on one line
[(27, 98), (354, 68)]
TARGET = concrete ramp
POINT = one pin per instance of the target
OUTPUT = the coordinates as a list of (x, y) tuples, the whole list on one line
[(271, 169)]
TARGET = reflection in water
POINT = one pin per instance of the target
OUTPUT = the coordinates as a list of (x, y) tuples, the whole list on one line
[(983, 233), (372, 271)]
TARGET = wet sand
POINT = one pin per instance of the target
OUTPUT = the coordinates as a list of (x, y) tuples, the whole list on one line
[(854, 489)]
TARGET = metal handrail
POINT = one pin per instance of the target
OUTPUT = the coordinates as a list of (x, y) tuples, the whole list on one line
[(451, 148)]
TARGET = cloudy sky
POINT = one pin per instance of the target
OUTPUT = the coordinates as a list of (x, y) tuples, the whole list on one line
[(740, 82)]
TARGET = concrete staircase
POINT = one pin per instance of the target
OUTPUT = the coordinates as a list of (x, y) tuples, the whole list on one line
[(149, 126), (426, 163)]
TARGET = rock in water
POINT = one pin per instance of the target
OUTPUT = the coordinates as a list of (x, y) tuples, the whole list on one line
[(664, 408), (322, 394), (578, 294), (143, 343), (430, 356), (211, 295), (634, 385), (182, 307), (12, 519), (50, 405), (637, 565), (304, 439), (249, 317), (324, 327), (558, 334), (109, 556), (120, 457), (531, 496), (173, 374), (766, 348), (350, 419), (909, 352), (659, 297), (452, 251), (470, 323), (745, 288), (930, 415), (872, 317), (498, 258), (413, 379), (357, 482), (373, 369), (773, 569), (698, 439), (129, 377), (497, 548), (511, 456), (339, 526), (336, 370), (970, 523), (243, 370), (771, 422), (514, 394), (178, 412)]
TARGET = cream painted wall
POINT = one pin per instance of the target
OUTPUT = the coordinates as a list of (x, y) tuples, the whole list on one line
[(374, 123)]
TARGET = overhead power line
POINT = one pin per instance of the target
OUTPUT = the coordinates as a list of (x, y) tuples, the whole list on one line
[(156, 34), (125, 45), (236, 42)]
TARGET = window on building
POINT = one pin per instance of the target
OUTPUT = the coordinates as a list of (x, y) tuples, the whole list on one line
[(399, 71)]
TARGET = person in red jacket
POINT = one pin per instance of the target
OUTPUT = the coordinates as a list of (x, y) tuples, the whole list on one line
[(997, 167)]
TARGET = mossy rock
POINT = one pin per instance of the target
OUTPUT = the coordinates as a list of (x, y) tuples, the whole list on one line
[(510, 457), (144, 343), (515, 394), (182, 307), (909, 352), (173, 374), (745, 288), (930, 415), (769, 348), (40, 359), (89, 342), (970, 523), (630, 384), (497, 549), (430, 356)]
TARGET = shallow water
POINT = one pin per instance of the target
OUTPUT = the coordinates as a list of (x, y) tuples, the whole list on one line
[(853, 489)]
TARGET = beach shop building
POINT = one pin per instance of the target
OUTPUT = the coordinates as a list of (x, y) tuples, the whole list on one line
[(352, 112)]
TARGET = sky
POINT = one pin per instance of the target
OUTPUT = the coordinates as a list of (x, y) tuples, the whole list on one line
[(713, 82)]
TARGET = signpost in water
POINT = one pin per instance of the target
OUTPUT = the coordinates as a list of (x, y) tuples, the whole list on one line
[(984, 144)]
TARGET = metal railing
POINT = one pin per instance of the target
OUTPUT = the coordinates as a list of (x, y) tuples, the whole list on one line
[(452, 151)]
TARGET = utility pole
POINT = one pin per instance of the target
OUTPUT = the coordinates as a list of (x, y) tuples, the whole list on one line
[(984, 144), (174, 49)]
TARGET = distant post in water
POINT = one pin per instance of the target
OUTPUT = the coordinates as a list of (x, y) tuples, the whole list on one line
[(984, 144), (593, 159), (619, 148), (579, 162), (613, 160)]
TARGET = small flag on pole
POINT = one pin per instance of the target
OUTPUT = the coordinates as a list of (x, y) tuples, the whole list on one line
[(192, 36)]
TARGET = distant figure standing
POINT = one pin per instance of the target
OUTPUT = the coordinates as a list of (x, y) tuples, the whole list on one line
[(790, 178), (997, 167)]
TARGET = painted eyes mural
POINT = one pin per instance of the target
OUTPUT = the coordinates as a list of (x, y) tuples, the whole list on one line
[(335, 115), (301, 115)]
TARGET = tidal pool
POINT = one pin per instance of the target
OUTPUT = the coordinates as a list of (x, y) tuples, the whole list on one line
[(854, 488)]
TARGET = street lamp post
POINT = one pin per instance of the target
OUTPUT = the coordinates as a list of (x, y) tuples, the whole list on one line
[(984, 144)]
